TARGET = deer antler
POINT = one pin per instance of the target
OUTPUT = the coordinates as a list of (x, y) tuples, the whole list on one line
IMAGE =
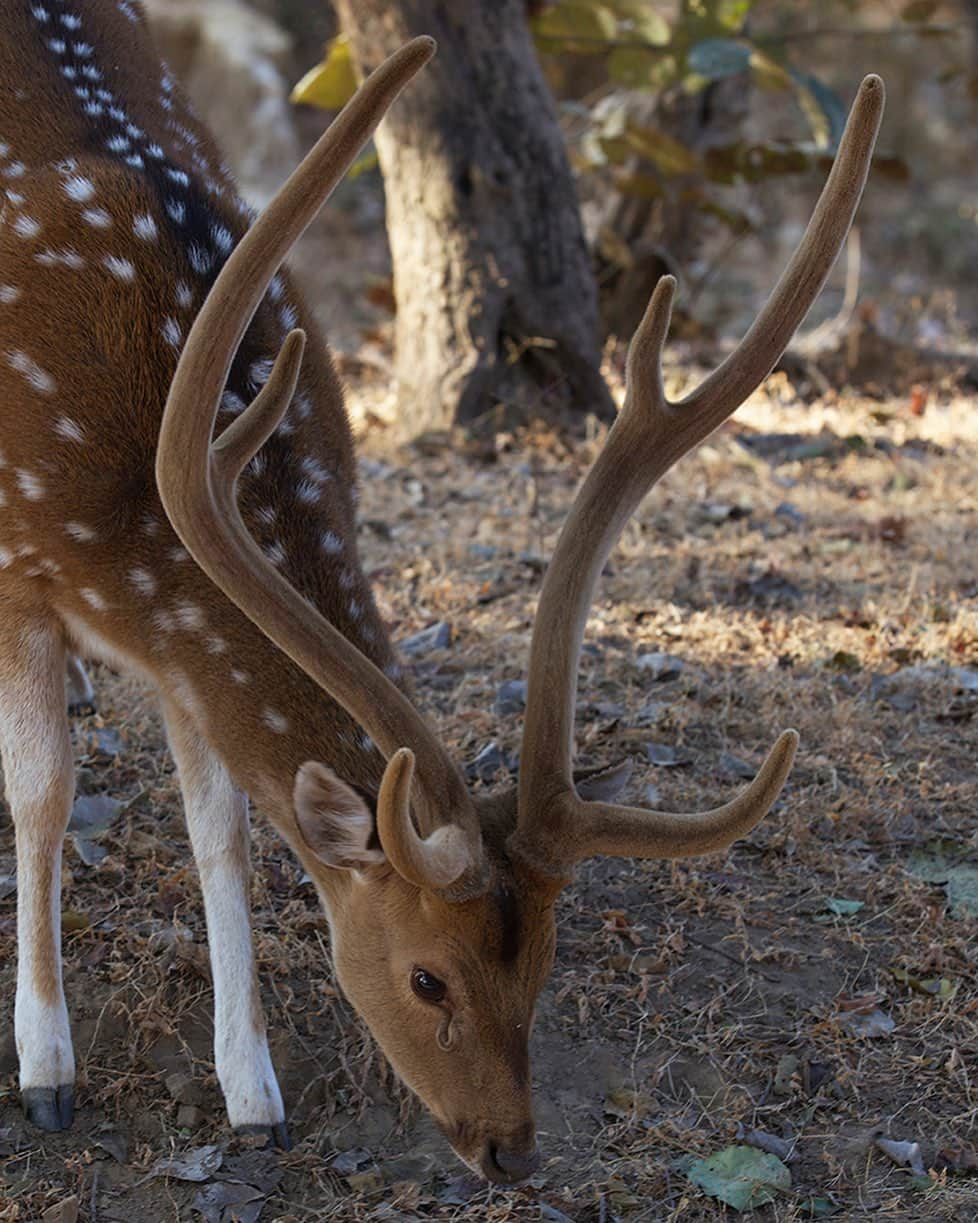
[(555, 827), (197, 482)]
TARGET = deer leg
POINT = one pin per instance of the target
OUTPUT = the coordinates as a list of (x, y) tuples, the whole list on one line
[(217, 819), (81, 697), (39, 776)]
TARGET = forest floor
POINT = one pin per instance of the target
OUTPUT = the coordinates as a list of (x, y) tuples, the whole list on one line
[(810, 566)]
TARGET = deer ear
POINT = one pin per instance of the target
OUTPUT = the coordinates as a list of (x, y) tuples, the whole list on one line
[(602, 785), (334, 820)]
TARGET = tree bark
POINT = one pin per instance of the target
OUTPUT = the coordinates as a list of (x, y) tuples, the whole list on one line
[(496, 301)]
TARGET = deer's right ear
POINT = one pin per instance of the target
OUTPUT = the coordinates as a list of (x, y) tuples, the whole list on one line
[(334, 820)]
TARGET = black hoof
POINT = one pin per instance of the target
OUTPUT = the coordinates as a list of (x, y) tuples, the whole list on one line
[(81, 709), (277, 1135), (49, 1108)]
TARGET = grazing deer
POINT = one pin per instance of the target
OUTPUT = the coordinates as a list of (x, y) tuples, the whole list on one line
[(135, 288)]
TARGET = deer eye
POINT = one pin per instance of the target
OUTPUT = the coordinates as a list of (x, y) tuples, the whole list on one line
[(427, 987)]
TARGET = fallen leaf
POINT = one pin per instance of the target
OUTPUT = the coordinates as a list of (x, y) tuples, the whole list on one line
[(936, 987), (63, 1212), (623, 1102), (93, 814), (197, 1165), (741, 1176), (906, 1154), (843, 908), (787, 1065), (229, 1202), (960, 1161), (861, 1004), (876, 1023), (770, 1143), (350, 1161)]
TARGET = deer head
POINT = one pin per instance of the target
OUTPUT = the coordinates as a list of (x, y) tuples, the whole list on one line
[(440, 902)]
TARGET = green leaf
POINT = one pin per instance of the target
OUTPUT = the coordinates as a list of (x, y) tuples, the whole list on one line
[(920, 10), (330, 84), (960, 882), (962, 891), (934, 987), (843, 661), (634, 67), (716, 58), (665, 152), (639, 186), (741, 1176), (824, 109), (581, 26), (640, 20), (843, 908)]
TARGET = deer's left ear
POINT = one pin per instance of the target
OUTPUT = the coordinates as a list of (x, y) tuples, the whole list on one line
[(334, 820)]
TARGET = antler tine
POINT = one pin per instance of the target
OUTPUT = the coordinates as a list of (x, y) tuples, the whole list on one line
[(247, 433), (555, 828), (196, 479)]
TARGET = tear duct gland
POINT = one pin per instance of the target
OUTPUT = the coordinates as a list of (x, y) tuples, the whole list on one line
[(440, 902)]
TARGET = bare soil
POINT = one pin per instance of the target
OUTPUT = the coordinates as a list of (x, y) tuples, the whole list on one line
[(824, 579)]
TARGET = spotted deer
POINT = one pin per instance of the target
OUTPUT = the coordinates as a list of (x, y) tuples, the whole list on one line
[(178, 498)]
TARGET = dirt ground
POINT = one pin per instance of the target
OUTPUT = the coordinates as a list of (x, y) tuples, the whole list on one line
[(809, 566)]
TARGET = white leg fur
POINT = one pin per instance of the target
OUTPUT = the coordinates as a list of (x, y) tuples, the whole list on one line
[(217, 818), (38, 772)]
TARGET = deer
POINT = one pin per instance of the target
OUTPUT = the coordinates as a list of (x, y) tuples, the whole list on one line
[(178, 493)]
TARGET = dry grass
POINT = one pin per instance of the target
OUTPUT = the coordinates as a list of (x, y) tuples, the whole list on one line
[(680, 989)]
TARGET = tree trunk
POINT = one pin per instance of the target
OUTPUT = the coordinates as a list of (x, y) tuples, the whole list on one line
[(496, 301)]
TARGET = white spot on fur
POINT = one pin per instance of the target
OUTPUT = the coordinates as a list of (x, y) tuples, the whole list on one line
[(189, 617), (69, 429), (216, 645), (260, 371), (122, 269), (184, 295), (79, 189), (222, 238), (314, 470), (172, 332), (80, 532), (240, 677), (145, 227), (38, 378), (98, 218), (201, 259), (9, 294), (26, 227), (307, 492), (274, 721), (143, 580), (93, 598), (331, 543), (231, 402)]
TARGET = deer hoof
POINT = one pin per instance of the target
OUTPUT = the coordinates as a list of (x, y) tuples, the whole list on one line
[(49, 1108), (276, 1135)]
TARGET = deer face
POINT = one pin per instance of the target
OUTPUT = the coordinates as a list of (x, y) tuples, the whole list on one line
[(448, 988)]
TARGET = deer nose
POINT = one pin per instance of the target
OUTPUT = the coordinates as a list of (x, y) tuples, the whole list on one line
[(508, 1167)]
